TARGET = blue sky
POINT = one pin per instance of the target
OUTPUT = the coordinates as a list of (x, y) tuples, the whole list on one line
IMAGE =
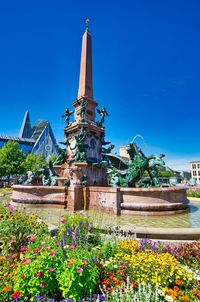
[(146, 68)]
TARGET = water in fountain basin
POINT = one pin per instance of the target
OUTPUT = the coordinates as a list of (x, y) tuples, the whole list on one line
[(190, 219)]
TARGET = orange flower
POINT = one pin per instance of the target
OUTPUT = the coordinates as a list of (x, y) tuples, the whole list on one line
[(7, 289), (198, 293), (185, 299), (134, 284), (180, 293), (172, 293), (176, 288), (14, 256), (71, 260), (178, 282)]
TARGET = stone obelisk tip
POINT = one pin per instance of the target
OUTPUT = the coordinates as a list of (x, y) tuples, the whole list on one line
[(85, 79)]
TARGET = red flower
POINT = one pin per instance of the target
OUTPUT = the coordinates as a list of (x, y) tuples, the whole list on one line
[(39, 274), (16, 294), (36, 251), (43, 284), (23, 249)]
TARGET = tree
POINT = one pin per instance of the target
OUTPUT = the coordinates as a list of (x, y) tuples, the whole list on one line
[(167, 174), (11, 160), (34, 163), (52, 158)]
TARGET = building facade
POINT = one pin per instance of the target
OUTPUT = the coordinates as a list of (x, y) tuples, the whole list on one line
[(38, 139), (195, 170)]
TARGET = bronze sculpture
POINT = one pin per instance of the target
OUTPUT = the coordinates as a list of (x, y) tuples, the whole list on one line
[(133, 175), (82, 109), (80, 146), (103, 113), (67, 115)]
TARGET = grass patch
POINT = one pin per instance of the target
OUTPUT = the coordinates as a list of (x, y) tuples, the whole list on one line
[(193, 193)]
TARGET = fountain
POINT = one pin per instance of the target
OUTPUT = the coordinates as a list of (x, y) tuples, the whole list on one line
[(87, 176)]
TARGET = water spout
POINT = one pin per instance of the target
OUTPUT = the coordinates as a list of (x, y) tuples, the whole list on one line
[(142, 138)]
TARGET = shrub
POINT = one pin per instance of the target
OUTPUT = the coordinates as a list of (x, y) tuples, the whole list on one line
[(52, 270), (36, 273), (18, 228), (193, 193), (74, 229)]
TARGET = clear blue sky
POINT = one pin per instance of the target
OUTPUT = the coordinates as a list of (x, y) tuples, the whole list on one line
[(146, 68)]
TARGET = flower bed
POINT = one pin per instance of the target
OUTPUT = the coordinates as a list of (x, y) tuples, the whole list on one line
[(76, 264)]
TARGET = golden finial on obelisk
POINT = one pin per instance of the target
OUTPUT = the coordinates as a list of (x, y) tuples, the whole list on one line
[(87, 23)]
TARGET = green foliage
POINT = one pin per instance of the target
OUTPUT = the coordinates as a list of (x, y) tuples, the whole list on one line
[(167, 174), (34, 163), (41, 161), (30, 163), (78, 275), (36, 273), (193, 193), (11, 159), (18, 228), (48, 268), (74, 229), (52, 158), (55, 268), (109, 249)]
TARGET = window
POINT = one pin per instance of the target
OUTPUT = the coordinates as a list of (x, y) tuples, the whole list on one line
[(198, 173), (198, 166), (193, 166), (194, 173)]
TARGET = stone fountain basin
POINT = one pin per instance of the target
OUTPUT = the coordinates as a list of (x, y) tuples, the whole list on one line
[(115, 200), (154, 201), (39, 194)]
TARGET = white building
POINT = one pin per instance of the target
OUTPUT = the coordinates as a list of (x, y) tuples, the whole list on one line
[(195, 170)]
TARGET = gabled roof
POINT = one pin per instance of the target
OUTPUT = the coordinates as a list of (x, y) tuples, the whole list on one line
[(17, 139), (26, 130), (38, 128)]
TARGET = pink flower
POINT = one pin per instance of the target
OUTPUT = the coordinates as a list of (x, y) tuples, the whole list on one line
[(58, 243), (23, 276), (26, 261), (47, 248), (43, 284), (32, 238), (72, 247), (36, 251), (79, 270), (52, 253), (39, 274), (51, 270), (23, 249), (63, 220)]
